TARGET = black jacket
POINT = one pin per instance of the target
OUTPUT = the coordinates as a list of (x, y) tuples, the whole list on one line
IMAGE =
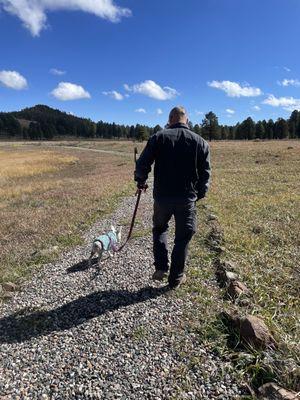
[(182, 164)]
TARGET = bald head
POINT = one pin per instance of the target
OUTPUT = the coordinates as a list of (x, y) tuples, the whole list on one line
[(178, 115)]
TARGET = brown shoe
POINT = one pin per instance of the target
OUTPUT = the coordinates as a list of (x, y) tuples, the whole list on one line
[(159, 275), (178, 283)]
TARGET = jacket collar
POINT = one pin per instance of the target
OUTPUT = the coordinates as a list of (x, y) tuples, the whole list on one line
[(179, 125)]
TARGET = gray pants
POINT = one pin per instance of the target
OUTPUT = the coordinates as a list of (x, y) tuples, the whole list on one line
[(185, 227)]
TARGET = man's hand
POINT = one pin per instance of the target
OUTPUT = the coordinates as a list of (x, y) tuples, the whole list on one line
[(200, 196), (142, 186)]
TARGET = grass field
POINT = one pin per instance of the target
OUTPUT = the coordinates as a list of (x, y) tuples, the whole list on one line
[(48, 198), (256, 196)]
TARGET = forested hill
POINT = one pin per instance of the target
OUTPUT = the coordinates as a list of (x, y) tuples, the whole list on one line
[(43, 122)]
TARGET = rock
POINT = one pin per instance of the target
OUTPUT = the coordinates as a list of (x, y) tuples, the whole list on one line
[(219, 249), (271, 391), (230, 276), (7, 295), (237, 289), (254, 331), (257, 229), (212, 217), (223, 276), (9, 287)]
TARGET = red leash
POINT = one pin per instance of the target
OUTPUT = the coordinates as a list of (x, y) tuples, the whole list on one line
[(138, 193)]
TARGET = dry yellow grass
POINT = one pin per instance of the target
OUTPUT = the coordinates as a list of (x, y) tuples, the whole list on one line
[(14, 164)]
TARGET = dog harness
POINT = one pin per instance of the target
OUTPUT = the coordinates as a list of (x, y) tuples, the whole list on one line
[(109, 241)]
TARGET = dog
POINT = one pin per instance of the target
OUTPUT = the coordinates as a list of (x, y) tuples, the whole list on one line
[(106, 243)]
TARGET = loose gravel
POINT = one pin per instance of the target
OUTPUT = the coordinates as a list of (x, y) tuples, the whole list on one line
[(72, 334)]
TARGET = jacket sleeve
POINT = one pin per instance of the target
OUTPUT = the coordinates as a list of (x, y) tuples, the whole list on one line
[(204, 170), (146, 159)]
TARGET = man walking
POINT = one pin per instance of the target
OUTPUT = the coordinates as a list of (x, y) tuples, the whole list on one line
[(181, 177)]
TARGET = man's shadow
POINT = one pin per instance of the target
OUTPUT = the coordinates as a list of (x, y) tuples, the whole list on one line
[(20, 326)]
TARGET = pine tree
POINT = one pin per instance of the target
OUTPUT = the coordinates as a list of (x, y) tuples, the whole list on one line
[(210, 126), (270, 129), (294, 124), (260, 130), (281, 129), (141, 133), (197, 129), (248, 129), (34, 131)]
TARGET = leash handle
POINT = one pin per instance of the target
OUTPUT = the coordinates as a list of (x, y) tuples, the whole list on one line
[(135, 154)]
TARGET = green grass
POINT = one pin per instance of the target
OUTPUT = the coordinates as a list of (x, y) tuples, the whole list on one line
[(255, 195)]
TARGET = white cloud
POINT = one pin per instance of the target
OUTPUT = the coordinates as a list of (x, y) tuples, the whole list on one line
[(55, 71), (33, 12), (256, 108), (140, 110), (69, 91), (13, 80), (114, 95), (152, 89), (199, 112), (234, 89), (230, 111), (288, 103), (287, 69), (159, 111), (289, 82)]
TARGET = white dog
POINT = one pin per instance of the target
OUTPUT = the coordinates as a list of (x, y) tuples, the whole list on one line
[(107, 242)]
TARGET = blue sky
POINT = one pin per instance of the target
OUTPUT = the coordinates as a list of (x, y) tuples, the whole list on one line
[(130, 61)]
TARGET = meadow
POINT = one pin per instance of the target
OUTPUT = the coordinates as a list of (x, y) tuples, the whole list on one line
[(50, 194), (48, 197), (255, 196)]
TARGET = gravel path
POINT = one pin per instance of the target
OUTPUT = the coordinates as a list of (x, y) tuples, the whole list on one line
[(120, 336), (113, 152)]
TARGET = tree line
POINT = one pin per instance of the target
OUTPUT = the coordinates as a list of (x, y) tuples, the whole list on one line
[(43, 122), (249, 129)]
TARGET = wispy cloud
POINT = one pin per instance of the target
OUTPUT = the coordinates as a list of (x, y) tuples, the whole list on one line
[(287, 69), (159, 111), (58, 72), (197, 112), (152, 89), (289, 82), (70, 91), (13, 80), (287, 103), (33, 13), (256, 108), (230, 111), (234, 89), (140, 110), (114, 95)]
